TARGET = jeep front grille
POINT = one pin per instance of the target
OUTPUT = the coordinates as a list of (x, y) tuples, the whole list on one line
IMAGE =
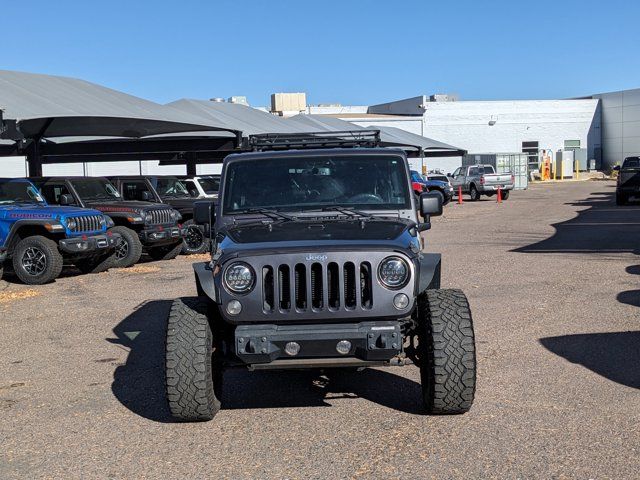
[(317, 287), (160, 216), (87, 223)]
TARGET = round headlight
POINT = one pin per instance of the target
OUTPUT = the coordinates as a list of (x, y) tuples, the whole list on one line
[(71, 224), (148, 218), (239, 277), (393, 272)]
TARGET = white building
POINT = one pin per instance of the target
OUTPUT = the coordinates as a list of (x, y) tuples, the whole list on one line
[(490, 126)]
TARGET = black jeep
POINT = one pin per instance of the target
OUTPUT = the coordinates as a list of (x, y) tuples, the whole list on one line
[(318, 265), (171, 190), (143, 225)]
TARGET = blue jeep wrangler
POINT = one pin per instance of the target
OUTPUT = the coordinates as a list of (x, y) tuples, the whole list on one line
[(36, 238)]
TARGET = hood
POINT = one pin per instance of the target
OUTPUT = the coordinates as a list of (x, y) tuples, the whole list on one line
[(351, 230), (436, 183), (39, 212), (130, 206)]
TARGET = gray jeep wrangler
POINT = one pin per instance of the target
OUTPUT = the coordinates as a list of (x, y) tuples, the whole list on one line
[(317, 262)]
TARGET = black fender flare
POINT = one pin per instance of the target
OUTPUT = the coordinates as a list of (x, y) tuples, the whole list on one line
[(205, 283), (429, 264), (27, 222)]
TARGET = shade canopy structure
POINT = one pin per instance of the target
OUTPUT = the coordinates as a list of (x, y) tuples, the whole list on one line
[(242, 117), (416, 145), (48, 106)]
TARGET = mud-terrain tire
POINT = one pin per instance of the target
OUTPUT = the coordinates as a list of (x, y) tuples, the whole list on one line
[(504, 194), (474, 194), (195, 240), (168, 252), (37, 260), (621, 199), (447, 348), (96, 264), (129, 250), (190, 365)]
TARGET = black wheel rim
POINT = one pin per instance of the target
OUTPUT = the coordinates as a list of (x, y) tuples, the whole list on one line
[(34, 261), (194, 238), (122, 250)]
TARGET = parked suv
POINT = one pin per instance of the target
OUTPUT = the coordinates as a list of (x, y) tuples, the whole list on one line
[(171, 190), (628, 180), (318, 265), (443, 187), (478, 180), (37, 238), (202, 186), (143, 226)]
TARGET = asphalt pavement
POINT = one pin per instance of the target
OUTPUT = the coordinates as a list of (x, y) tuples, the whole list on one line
[(553, 278)]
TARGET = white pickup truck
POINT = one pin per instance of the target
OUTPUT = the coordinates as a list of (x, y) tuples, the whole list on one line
[(478, 180)]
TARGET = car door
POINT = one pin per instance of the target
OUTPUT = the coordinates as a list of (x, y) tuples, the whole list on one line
[(52, 191), (457, 179)]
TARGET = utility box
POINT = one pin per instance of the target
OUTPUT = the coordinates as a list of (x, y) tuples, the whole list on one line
[(514, 163), (580, 155), (565, 162), (288, 103)]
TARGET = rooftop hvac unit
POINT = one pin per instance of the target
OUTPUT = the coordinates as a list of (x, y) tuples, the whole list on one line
[(288, 102)]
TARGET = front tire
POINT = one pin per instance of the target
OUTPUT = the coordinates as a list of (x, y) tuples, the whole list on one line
[(129, 250), (195, 240), (165, 253), (36, 260), (97, 264), (447, 351), (190, 364)]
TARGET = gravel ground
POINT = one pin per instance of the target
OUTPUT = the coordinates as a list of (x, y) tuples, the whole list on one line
[(552, 275)]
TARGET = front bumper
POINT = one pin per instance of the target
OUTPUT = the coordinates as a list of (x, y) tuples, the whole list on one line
[(162, 235), (376, 341), (95, 244)]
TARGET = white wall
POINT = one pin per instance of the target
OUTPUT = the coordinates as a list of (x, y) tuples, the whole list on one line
[(466, 124), (13, 167)]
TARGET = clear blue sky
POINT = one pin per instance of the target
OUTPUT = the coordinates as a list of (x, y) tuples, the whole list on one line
[(353, 52)]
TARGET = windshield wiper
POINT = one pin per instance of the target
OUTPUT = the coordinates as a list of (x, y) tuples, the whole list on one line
[(347, 211), (267, 212)]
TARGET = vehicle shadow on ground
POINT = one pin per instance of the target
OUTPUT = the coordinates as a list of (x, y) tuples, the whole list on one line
[(615, 356), (139, 383), (601, 228)]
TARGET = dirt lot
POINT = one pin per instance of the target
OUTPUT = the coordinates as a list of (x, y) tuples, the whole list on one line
[(553, 277)]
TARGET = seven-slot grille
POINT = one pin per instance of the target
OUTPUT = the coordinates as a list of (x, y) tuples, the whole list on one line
[(87, 223), (317, 287), (161, 216)]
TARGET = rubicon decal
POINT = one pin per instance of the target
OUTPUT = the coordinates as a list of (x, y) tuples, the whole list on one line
[(31, 215)]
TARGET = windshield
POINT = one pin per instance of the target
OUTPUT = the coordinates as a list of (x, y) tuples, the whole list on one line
[(377, 182), (19, 192), (631, 162), (210, 185), (439, 178), (171, 187), (95, 189)]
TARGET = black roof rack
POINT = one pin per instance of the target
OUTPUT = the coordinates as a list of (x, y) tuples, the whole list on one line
[(338, 139)]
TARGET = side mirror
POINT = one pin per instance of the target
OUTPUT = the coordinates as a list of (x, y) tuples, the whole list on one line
[(449, 175), (194, 193), (617, 168), (204, 212), (66, 199), (146, 196)]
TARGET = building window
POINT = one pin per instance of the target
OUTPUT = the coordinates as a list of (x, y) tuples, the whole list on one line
[(531, 149), (571, 144)]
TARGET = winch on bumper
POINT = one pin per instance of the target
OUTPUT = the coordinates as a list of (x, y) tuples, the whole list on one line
[(291, 345), (162, 234), (89, 244)]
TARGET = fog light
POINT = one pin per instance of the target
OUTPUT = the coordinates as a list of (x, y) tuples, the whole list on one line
[(343, 347), (292, 348), (234, 307), (401, 301)]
